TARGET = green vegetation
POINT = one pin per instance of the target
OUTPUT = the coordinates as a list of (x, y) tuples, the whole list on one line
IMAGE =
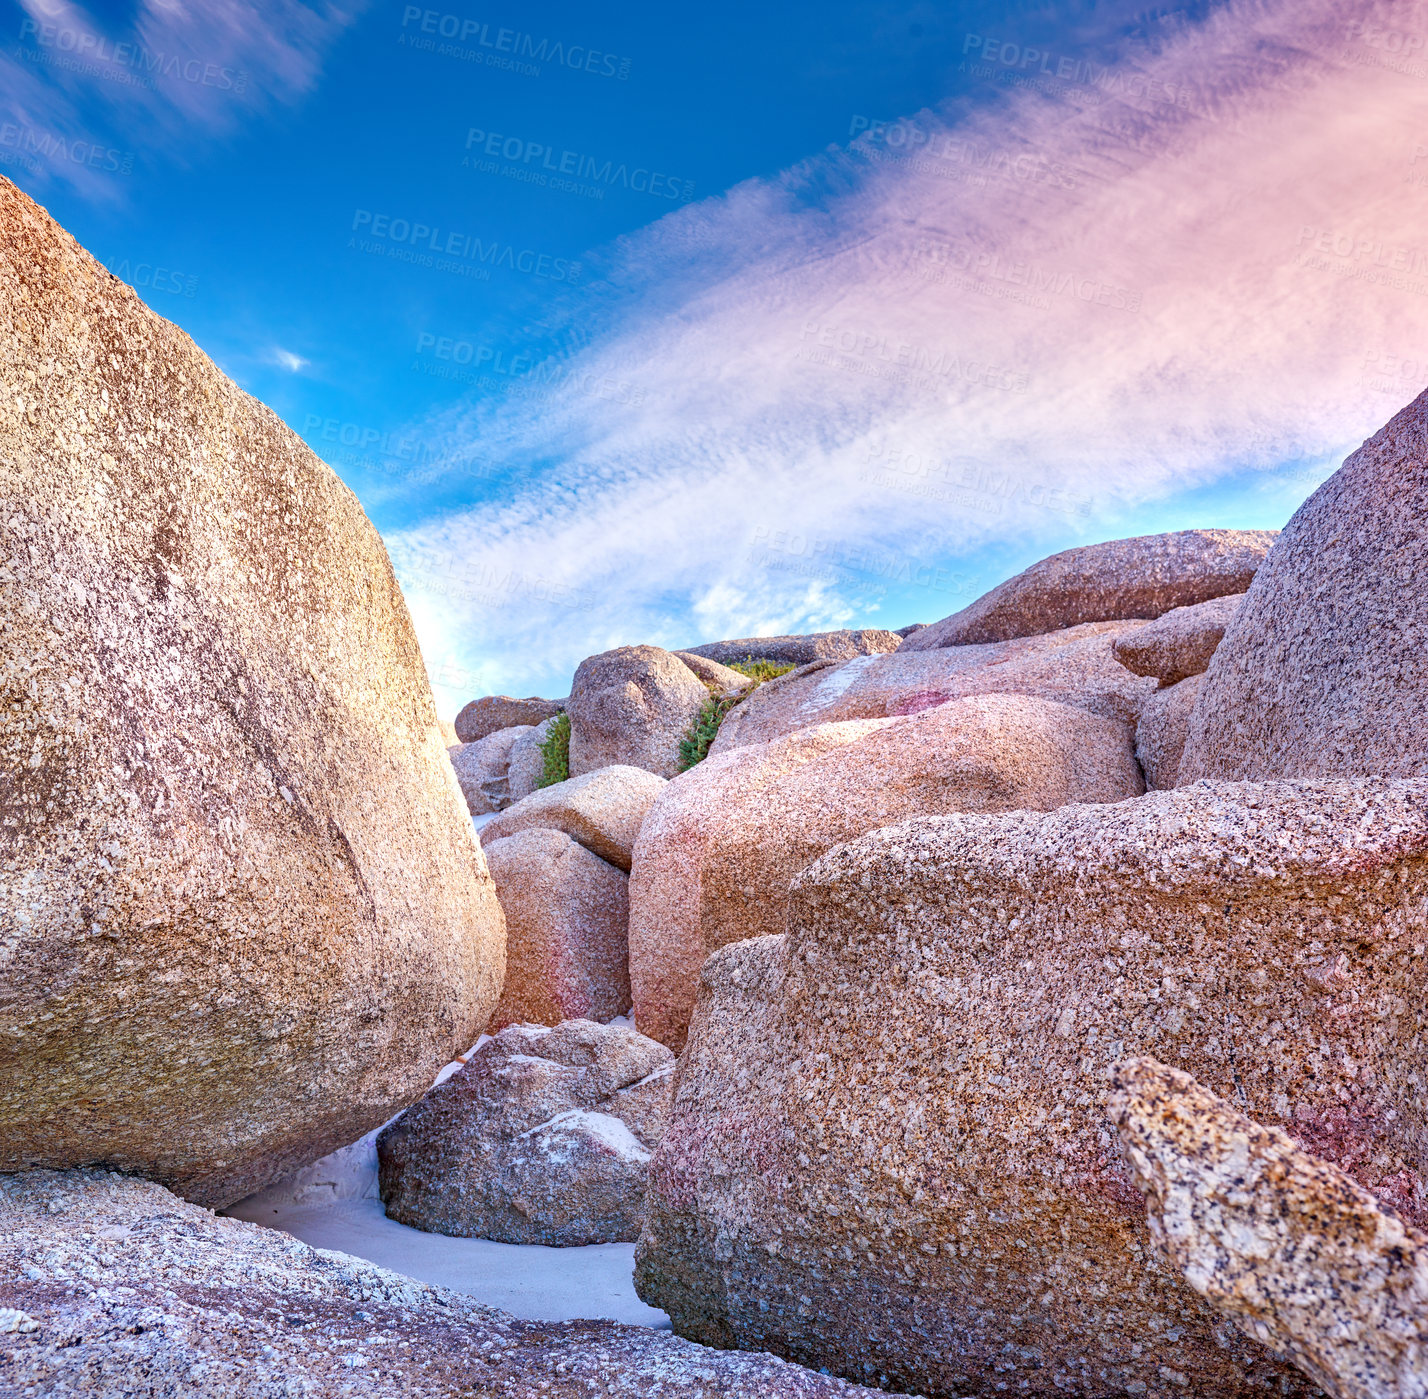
[(760, 670), (555, 752), (694, 746)]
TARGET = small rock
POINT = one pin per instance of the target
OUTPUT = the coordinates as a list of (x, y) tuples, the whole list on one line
[(603, 810), (493, 712), (544, 1137)]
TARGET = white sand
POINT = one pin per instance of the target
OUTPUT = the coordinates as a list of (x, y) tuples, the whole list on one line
[(334, 1204)]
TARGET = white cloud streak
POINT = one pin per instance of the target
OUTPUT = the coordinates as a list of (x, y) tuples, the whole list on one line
[(82, 99), (1212, 261)]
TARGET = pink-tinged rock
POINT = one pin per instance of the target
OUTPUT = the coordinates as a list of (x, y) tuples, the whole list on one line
[(1143, 577), (1181, 643), (1076, 667), (800, 650), (1288, 1247), (567, 915), (197, 1305), (889, 1155), (493, 712), (723, 842), (1160, 735), (244, 915), (1324, 672), (483, 770), (632, 706), (603, 810), (545, 1137)]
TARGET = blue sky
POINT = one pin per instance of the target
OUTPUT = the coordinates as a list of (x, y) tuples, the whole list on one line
[(666, 323)]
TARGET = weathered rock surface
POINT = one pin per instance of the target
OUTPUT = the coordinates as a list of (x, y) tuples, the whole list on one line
[(493, 712), (800, 650), (724, 841), (631, 706), (720, 679), (483, 770), (133, 1292), (1179, 644), (244, 915), (888, 1151), (567, 915), (1323, 673), (545, 1137), (1123, 578), (603, 810), (1160, 735), (525, 764), (1288, 1247), (1076, 667)]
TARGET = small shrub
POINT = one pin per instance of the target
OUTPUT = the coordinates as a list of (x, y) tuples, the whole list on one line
[(694, 746), (555, 752), (760, 670)]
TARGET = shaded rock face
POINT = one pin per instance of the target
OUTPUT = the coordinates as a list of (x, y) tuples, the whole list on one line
[(525, 764), (1160, 735), (492, 712), (888, 1147), (1143, 577), (245, 915), (1288, 1247), (724, 841), (194, 1304), (603, 810), (719, 679), (631, 706), (483, 770), (1322, 672), (1076, 666), (1179, 644), (800, 650), (545, 1137), (567, 915)]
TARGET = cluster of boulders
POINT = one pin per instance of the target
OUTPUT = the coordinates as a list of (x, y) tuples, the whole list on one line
[(1047, 982)]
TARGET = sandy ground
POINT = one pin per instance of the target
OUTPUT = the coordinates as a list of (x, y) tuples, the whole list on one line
[(334, 1204)]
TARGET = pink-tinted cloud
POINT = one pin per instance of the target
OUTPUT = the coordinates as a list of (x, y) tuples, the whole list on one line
[(1112, 287)]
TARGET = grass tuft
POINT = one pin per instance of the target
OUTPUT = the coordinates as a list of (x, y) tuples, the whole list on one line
[(694, 746)]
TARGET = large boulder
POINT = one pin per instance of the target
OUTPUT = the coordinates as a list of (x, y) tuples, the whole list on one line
[(1179, 644), (1160, 734), (567, 913), (545, 1137), (1291, 1249), (603, 810), (723, 842), (483, 770), (631, 706), (245, 915), (492, 712), (1076, 666), (113, 1286), (1322, 673), (800, 650), (1143, 577), (888, 1152)]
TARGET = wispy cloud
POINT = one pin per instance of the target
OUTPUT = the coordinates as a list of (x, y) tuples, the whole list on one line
[(1112, 287), (80, 94), (286, 359)]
